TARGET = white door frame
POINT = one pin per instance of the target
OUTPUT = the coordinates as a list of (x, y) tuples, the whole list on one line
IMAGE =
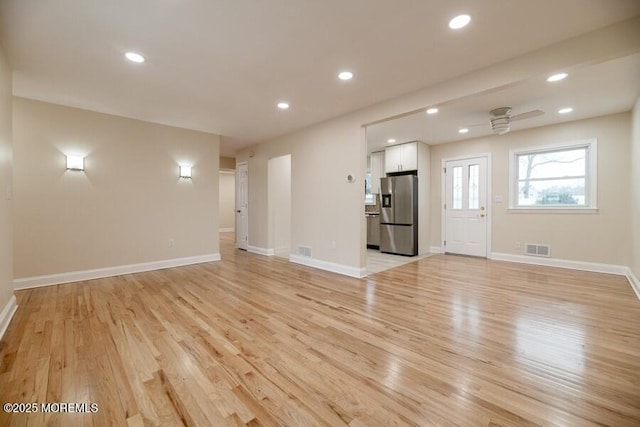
[(443, 199), (236, 206)]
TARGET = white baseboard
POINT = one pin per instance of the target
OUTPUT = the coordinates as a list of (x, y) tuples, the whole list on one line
[(227, 230), (635, 283), (436, 250), (282, 253), (563, 263), (77, 276), (329, 266), (7, 314), (260, 251)]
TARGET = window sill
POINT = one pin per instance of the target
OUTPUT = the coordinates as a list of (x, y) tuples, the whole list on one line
[(550, 210)]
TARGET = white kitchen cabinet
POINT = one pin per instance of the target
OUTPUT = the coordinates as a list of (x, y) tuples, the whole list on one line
[(377, 170), (401, 158)]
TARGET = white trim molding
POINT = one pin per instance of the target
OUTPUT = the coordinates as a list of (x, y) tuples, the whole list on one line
[(260, 251), (562, 263), (635, 282), (436, 250), (329, 266), (7, 314), (78, 276)]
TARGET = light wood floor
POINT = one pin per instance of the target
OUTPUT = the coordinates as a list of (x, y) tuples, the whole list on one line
[(253, 340)]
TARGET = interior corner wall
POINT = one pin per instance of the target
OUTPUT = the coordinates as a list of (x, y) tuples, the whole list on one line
[(127, 207), (6, 161), (601, 237), (635, 190), (327, 212)]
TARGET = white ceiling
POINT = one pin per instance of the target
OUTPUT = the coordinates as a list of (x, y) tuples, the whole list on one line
[(593, 90), (221, 66)]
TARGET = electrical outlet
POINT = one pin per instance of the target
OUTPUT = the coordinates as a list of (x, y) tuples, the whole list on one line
[(518, 245), (172, 243)]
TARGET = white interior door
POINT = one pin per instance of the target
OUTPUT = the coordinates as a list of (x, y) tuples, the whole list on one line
[(465, 207), (242, 204)]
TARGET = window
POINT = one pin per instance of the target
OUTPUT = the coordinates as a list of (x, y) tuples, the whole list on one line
[(369, 199), (474, 186), (456, 203), (558, 177)]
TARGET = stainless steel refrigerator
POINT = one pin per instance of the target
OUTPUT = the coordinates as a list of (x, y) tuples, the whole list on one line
[(399, 215)]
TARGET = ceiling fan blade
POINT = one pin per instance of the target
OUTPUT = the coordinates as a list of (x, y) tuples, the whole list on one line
[(527, 115)]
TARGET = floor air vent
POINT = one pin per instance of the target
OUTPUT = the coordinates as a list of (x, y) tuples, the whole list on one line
[(537, 250), (304, 251)]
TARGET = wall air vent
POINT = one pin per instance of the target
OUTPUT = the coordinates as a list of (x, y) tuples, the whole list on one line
[(537, 250), (304, 251)]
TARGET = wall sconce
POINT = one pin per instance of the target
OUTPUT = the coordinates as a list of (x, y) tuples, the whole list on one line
[(185, 171), (75, 163)]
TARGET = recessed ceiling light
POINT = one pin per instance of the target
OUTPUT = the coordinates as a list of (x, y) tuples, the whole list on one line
[(345, 75), (565, 110), (463, 130), (459, 22), (432, 110), (391, 141), (134, 57), (283, 105), (557, 77)]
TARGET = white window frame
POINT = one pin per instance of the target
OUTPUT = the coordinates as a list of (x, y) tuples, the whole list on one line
[(591, 177)]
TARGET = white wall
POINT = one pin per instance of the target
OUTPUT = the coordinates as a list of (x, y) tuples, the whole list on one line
[(600, 237), (279, 188), (635, 190), (227, 200), (128, 203), (6, 160)]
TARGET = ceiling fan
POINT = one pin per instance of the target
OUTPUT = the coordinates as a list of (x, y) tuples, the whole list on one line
[(501, 119)]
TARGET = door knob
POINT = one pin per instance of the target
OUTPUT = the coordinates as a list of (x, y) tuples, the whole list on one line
[(481, 215), (237, 211)]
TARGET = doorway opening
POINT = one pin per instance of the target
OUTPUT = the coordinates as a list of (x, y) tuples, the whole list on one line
[(226, 199)]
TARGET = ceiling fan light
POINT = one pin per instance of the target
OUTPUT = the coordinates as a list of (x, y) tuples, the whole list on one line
[(500, 125)]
